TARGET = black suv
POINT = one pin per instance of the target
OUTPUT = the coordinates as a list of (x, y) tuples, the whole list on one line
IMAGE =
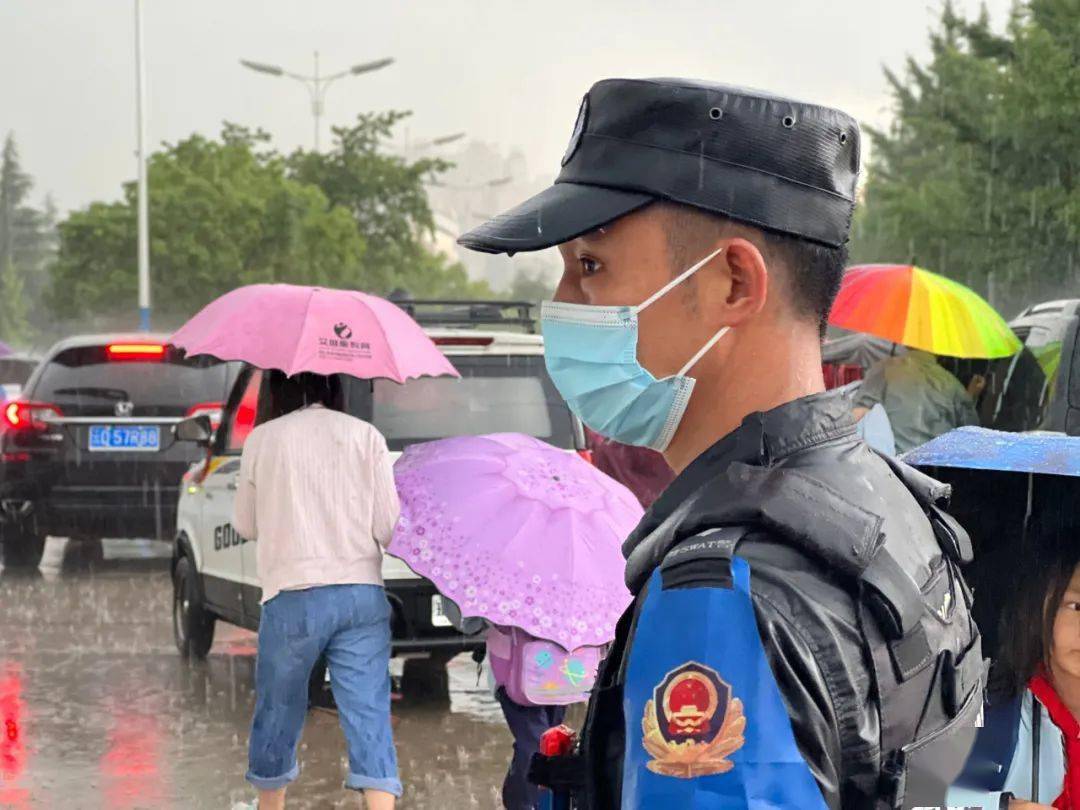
[(1037, 388), (1051, 335), (87, 449)]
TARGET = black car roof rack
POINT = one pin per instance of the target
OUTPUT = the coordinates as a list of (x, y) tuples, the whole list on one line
[(470, 314)]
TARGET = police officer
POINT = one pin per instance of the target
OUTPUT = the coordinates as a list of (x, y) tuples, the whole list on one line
[(800, 634)]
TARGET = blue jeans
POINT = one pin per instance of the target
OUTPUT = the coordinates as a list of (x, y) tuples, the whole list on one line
[(350, 624)]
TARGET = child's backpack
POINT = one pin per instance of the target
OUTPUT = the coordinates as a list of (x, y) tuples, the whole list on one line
[(535, 672)]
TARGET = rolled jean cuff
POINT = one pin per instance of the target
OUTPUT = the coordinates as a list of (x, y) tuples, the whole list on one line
[(357, 782), (273, 783)]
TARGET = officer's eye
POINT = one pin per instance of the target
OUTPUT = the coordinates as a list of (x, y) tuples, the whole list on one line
[(589, 266)]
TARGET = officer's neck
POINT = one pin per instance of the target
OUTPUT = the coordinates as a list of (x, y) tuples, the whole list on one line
[(763, 371)]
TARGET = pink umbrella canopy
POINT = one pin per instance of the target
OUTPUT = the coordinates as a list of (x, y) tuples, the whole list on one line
[(517, 532), (296, 328)]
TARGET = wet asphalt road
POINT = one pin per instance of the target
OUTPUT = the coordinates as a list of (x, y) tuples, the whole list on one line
[(97, 710)]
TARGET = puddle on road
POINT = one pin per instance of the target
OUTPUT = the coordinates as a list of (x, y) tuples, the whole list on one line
[(97, 710)]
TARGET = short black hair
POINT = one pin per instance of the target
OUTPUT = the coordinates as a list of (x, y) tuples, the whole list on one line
[(813, 271), (281, 394)]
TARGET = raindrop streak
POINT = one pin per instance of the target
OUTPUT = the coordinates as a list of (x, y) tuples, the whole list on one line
[(89, 674)]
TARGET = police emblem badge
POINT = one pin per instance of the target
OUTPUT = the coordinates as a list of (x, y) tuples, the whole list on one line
[(692, 724)]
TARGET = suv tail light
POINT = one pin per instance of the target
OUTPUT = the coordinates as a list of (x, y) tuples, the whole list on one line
[(135, 351), (463, 341), (215, 410), (20, 415)]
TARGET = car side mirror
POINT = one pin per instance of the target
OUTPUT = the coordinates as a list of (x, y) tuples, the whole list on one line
[(197, 429)]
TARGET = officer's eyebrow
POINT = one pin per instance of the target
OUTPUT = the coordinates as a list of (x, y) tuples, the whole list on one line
[(593, 236)]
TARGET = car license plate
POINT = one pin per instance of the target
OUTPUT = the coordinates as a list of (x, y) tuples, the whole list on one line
[(125, 438), (438, 615)]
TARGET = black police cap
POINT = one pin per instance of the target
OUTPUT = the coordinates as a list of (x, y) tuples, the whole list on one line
[(754, 157)]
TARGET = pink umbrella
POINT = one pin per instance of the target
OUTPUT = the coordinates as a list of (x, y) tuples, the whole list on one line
[(517, 532), (294, 328)]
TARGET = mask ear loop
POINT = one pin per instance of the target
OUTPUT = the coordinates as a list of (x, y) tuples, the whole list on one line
[(704, 349), (679, 279)]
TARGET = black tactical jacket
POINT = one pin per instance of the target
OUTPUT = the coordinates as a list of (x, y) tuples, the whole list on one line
[(855, 581)]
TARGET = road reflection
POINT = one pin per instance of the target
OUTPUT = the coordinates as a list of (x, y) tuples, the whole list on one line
[(12, 731), (98, 710)]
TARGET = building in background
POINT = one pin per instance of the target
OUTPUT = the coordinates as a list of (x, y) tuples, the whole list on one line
[(486, 180)]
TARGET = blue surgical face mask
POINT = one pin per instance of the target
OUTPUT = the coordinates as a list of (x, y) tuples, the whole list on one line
[(591, 355)]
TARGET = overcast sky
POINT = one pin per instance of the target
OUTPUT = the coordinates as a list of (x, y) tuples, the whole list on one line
[(510, 72)]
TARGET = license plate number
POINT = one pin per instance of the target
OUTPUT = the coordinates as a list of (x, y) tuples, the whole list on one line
[(438, 615), (125, 438)]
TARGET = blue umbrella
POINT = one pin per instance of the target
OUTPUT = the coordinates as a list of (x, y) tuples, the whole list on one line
[(974, 448), (1004, 484)]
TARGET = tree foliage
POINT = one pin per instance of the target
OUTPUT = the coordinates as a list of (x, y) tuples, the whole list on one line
[(231, 211), (535, 280), (26, 245), (222, 214), (386, 196), (978, 176)]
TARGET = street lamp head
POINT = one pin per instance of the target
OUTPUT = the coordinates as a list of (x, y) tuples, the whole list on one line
[(445, 139), (367, 67), (259, 67)]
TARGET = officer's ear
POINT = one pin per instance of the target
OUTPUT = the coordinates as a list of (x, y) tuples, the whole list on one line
[(747, 286)]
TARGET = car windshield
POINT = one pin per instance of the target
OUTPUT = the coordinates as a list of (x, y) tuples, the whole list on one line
[(496, 394), (86, 381)]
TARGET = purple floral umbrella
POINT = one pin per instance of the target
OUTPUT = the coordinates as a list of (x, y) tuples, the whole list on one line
[(517, 532)]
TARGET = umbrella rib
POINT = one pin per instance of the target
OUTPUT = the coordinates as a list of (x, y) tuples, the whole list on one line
[(300, 334), (386, 340)]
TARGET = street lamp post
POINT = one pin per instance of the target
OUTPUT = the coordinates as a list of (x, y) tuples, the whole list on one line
[(317, 84), (143, 209)]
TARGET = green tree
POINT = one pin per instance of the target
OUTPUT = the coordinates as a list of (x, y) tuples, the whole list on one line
[(13, 319), (433, 276), (223, 213), (386, 196), (232, 211), (533, 281), (977, 177), (26, 243)]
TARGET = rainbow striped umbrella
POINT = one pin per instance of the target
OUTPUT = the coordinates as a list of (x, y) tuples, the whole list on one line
[(920, 309)]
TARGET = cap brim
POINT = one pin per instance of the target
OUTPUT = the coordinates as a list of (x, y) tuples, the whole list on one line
[(555, 215)]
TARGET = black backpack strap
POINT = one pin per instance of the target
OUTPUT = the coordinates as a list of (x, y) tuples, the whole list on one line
[(702, 561), (952, 537), (898, 605), (927, 491)]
